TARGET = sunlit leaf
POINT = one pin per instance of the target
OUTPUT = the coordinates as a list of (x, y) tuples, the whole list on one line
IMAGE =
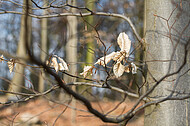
[(134, 68), (63, 64), (62, 67), (1, 58), (124, 42), (119, 56), (86, 70), (11, 65), (47, 62), (106, 59), (55, 64), (118, 69), (127, 69)]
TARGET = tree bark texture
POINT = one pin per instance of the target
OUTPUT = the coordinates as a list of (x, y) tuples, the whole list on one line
[(159, 51), (71, 54)]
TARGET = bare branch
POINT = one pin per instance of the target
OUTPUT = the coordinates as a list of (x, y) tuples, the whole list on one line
[(111, 87)]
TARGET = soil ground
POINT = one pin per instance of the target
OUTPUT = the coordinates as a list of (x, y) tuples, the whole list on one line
[(41, 112)]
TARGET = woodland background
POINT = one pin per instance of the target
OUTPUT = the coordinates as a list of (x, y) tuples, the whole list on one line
[(80, 32)]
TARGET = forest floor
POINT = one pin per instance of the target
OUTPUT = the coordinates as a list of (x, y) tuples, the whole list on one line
[(41, 112)]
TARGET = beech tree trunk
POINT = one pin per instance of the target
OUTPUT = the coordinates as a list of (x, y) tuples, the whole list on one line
[(159, 52), (71, 54), (90, 43)]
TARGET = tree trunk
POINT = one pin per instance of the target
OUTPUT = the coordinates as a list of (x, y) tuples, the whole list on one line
[(18, 79), (71, 55), (44, 24), (90, 44), (160, 47), (90, 41)]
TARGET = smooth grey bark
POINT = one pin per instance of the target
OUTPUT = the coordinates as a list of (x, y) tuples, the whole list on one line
[(71, 47), (159, 48), (71, 54)]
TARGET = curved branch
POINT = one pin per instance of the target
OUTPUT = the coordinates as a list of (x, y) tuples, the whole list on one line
[(29, 96), (94, 13), (127, 19), (111, 87)]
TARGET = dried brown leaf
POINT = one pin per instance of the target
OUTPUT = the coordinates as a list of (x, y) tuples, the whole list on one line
[(124, 42), (63, 64), (86, 70), (55, 64), (11, 65), (118, 69), (134, 68), (106, 59), (47, 62), (119, 56), (127, 69), (1, 58)]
